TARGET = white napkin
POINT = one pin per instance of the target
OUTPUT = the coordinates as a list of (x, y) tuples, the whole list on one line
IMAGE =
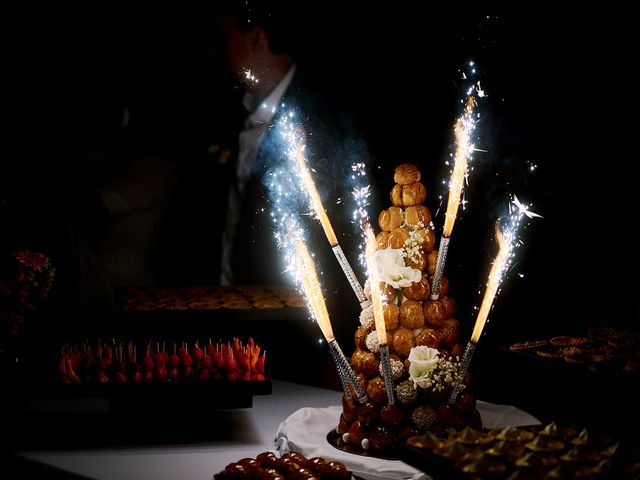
[(306, 430)]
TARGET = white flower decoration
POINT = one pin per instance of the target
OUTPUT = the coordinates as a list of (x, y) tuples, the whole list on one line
[(392, 270), (423, 361)]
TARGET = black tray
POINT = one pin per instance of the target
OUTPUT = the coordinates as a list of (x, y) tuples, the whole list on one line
[(149, 397)]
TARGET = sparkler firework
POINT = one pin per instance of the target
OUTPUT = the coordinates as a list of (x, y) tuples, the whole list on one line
[(507, 241), (463, 130), (378, 312), (306, 271), (296, 151)]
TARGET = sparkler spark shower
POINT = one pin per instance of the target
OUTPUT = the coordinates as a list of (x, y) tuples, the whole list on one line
[(296, 150), (507, 241), (463, 128), (378, 312), (309, 280)]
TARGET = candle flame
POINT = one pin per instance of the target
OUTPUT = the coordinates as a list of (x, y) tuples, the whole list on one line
[(374, 283), (462, 129), (311, 287), (312, 191), (495, 278)]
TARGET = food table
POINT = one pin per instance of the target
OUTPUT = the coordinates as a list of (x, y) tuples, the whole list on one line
[(225, 436)]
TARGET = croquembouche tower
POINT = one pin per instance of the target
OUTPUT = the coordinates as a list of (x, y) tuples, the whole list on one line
[(423, 335)]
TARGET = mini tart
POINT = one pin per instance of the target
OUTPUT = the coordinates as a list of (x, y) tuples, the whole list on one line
[(581, 455), (452, 451), (506, 449), (526, 345), (543, 443), (512, 434), (268, 303), (481, 466), (564, 341), (551, 353), (469, 436), (554, 430), (605, 333), (536, 459), (427, 440)]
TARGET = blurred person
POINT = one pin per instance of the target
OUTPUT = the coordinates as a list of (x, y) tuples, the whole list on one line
[(255, 45)]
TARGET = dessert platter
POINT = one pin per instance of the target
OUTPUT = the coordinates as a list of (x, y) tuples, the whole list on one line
[(246, 301), (551, 451), (216, 375), (291, 465), (603, 350)]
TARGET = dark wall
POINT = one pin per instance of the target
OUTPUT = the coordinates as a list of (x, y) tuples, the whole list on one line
[(560, 97)]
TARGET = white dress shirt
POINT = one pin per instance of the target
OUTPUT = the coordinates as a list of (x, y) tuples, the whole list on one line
[(255, 126)]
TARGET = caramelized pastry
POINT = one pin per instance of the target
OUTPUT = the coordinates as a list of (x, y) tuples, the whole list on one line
[(435, 313), (413, 194), (418, 291), (377, 391), (397, 237), (428, 337), (411, 315), (417, 216), (390, 219), (382, 239), (406, 173), (391, 316), (403, 342)]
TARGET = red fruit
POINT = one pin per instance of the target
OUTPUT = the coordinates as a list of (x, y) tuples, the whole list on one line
[(349, 409), (122, 378), (232, 376), (161, 373), (258, 377), (183, 352), (356, 433), (187, 360), (62, 365), (217, 359), (367, 414), (197, 354), (204, 374), (103, 363), (187, 371), (206, 361), (148, 376), (243, 362), (217, 376), (159, 361), (260, 363), (174, 361), (173, 373), (102, 377), (136, 377), (448, 416), (244, 376), (148, 364)]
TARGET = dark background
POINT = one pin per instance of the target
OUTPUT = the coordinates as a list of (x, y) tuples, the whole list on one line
[(561, 96)]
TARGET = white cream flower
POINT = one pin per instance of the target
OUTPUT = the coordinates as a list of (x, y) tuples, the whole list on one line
[(392, 270), (423, 361)]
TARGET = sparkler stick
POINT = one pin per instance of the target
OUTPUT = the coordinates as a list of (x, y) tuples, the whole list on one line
[(311, 287), (463, 127), (378, 313), (495, 278), (316, 203)]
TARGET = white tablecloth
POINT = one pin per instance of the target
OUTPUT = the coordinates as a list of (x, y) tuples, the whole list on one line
[(306, 430), (235, 434)]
